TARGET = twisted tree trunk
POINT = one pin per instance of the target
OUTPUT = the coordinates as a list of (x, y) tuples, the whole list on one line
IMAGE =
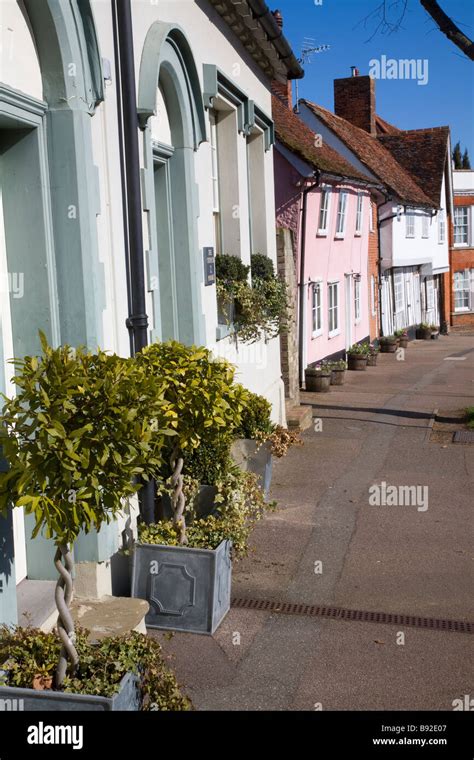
[(178, 501), (63, 597)]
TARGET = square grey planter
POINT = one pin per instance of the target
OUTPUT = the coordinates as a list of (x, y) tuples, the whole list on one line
[(253, 458), (127, 699), (187, 589)]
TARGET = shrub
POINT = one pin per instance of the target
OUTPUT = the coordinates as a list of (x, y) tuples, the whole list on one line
[(359, 349), (31, 653), (262, 267), (231, 268), (255, 418)]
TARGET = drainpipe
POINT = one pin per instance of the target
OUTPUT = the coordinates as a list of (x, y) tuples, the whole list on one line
[(305, 192), (137, 321)]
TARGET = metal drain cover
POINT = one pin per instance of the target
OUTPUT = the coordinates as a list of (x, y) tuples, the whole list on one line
[(463, 436)]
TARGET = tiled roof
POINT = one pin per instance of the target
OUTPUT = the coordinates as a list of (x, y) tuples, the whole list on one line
[(422, 152), (376, 157), (295, 135), (384, 128)]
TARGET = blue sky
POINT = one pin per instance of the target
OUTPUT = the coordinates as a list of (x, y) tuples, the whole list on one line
[(448, 96)]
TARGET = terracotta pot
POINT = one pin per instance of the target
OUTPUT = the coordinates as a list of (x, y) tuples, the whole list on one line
[(357, 362), (317, 381), (337, 376)]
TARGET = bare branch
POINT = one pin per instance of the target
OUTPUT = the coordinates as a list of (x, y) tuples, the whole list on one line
[(448, 27)]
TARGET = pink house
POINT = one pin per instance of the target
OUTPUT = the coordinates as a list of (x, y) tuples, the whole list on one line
[(326, 204)]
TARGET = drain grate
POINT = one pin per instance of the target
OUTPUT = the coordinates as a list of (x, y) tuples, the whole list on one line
[(463, 436), (363, 616)]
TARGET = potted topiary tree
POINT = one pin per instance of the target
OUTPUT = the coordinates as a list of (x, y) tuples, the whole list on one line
[(186, 584), (357, 356), (79, 431)]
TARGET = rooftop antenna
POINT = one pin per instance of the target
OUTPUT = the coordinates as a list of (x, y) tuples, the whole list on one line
[(308, 49)]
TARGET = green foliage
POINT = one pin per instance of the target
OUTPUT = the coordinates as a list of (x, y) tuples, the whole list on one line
[(231, 268), (258, 310), (240, 504), (198, 390), (466, 161), (210, 461), (388, 339), (470, 416), (359, 349), (29, 652), (256, 417), (457, 156), (80, 430), (340, 364), (402, 333), (261, 267)]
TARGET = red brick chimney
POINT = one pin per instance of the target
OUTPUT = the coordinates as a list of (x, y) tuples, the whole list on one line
[(354, 100)]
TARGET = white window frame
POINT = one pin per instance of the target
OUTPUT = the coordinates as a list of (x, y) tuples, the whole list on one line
[(324, 210), (333, 309), (468, 288), (465, 226), (410, 225), (317, 309), (341, 216), (372, 295), (425, 226), (371, 216), (441, 227), (216, 209), (398, 292), (359, 214), (430, 300), (357, 301)]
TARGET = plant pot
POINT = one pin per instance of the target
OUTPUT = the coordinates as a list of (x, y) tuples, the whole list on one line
[(252, 457), (203, 506), (403, 342), (423, 334), (127, 699), (388, 347), (337, 376), (357, 362), (187, 589), (372, 360), (317, 381)]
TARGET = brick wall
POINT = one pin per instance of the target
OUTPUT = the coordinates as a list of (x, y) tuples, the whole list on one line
[(459, 258), (373, 272), (286, 263)]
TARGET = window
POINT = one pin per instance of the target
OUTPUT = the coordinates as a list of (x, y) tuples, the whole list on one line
[(425, 226), (215, 181), (357, 300), (333, 308), (410, 226), (372, 295), (257, 191), (441, 227), (360, 206), (461, 225), (464, 290), (323, 222), (430, 301), (398, 296), (316, 309), (341, 214)]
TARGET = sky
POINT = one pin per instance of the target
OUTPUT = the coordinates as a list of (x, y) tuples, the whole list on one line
[(446, 99)]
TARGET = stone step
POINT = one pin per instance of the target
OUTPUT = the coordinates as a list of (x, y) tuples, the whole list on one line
[(299, 417), (110, 615)]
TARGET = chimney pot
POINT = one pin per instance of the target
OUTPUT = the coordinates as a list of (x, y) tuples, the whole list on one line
[(278, 18)]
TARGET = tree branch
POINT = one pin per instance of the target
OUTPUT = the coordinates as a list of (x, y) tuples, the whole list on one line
[(449, 28)]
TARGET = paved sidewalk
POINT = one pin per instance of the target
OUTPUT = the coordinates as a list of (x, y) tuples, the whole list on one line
[(392, 559)]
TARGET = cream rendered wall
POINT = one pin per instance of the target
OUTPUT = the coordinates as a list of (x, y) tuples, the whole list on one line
[(19, 67)]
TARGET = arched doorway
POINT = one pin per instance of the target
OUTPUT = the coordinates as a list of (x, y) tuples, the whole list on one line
[(171, 112)]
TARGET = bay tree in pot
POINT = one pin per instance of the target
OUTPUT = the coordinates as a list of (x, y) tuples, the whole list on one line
[(186, 581), (357, 356), (80, 430)]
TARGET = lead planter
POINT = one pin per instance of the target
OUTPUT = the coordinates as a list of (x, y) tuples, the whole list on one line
[(187, 589), (251, 456), (357, 362), (127, 699)]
